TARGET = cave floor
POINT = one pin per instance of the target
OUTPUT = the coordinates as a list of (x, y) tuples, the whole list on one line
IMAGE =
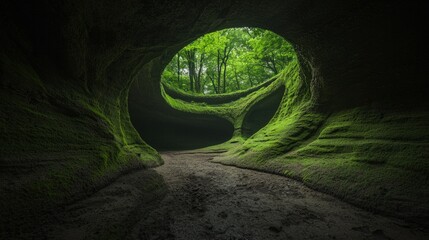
[(205, 200)]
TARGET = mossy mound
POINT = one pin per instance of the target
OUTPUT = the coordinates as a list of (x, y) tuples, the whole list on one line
[(375, 159), (372, 157), (60, 145)]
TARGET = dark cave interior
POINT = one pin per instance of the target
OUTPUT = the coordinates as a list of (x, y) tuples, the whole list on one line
[(82, 104)]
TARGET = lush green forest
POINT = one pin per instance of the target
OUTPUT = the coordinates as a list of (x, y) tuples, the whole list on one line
[(228, 60)]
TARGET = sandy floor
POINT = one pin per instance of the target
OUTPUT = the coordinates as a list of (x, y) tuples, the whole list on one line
[(205, 200)]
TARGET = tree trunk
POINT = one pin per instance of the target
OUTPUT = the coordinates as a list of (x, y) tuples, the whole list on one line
[(236, 79), (226, 53), (219, 71), (191, 75), (224, 77), (198, 75), (249, 75), (178, 69), (190, 55), (213, 83)]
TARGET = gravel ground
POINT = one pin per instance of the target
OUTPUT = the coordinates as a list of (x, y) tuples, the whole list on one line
[(198, 199)]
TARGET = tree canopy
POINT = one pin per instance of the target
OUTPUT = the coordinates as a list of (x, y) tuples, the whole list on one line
[(228, 60)]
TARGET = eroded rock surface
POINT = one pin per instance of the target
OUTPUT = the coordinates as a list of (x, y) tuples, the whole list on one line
[(73, 73)]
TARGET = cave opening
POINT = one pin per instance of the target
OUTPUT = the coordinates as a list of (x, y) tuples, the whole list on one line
[(222, 86), (228, 60)]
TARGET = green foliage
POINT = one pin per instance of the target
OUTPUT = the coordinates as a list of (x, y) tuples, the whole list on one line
[(228, 60)]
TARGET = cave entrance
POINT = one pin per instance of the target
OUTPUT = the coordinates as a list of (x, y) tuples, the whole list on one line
[(227, 61), (217, 87)]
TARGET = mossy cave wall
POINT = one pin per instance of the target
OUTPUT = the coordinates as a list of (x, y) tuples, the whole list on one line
[(353, 120)]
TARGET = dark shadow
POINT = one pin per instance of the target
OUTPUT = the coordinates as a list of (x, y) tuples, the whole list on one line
[(261, 113), (169, 129)]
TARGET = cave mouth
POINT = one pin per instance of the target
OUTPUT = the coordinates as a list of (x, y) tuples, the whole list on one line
[(227, 61), (224, 84)]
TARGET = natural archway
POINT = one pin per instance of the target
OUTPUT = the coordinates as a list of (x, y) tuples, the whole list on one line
[(224, 80)]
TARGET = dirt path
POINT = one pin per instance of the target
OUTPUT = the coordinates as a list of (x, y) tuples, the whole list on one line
[(206, 200)]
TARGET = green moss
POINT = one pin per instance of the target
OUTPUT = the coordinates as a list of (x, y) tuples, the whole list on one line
[(375, 158), (370, 157), (66, 144), (234, 111), (214, 98)]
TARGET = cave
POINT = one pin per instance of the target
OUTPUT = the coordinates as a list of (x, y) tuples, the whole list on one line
[(93, 146)]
